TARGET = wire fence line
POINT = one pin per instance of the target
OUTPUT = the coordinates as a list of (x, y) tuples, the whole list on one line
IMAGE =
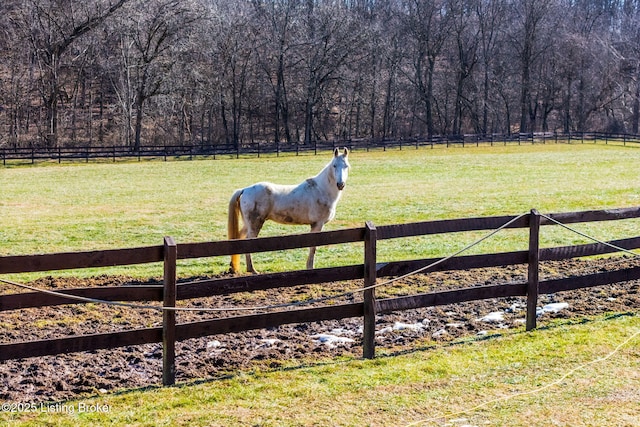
[(372, 270), (264, 307), (320, 299), (202, 149)]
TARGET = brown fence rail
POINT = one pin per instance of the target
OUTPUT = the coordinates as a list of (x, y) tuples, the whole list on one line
[(253, 149), (372, 269)]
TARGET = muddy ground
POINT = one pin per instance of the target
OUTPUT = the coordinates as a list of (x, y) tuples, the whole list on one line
[(77, 375)]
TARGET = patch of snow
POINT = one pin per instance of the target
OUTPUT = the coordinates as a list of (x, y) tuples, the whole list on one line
[(493, 317), (331, 340), (454, 325), (440, 333), (399, 326), (556, 307), (552, 308), (215, 347), (342, 331), (515, 307)]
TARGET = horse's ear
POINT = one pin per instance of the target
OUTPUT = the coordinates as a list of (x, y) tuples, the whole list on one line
[(346, 151), (335, 152)]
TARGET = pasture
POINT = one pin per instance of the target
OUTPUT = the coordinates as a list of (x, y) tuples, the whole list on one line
[(84, 207), (73, 207)]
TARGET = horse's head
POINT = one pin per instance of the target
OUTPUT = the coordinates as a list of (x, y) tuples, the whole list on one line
[(340, 166)]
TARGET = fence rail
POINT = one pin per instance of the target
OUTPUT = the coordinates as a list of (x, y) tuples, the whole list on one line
[(372, 269), (113, 153)]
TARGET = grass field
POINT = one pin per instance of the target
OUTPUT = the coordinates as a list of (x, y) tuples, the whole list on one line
[(74, 207), (510, 378)]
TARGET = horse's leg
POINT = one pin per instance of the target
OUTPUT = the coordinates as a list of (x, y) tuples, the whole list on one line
[(252, 231), (250, 268), (312, 250), (243, 235)]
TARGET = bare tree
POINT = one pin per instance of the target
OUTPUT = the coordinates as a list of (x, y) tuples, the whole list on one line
[(626, 47), (52, 28), (149, 38), (491, 16), (428, 28), (528, 19), (14, 78), (276, 19), (465, 35), (234, 48), (331, 40), (393, 53)]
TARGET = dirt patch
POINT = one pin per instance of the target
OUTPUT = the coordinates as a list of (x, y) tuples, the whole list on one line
[(75, 375)]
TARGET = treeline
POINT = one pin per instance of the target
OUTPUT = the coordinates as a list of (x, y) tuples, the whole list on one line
[(211, 72)]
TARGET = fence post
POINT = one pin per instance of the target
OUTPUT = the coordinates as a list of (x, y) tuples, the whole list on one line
[(534, 262), (369, 334), (169, 316)]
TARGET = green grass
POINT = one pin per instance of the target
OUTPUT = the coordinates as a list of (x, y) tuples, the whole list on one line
[(75, 207), (552, 376)]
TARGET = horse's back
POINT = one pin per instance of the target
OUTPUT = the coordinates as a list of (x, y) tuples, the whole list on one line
[(286, 204), (266, 192), (262, 197)]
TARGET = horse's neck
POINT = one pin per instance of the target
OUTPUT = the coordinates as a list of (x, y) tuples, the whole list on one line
[(326, 179)]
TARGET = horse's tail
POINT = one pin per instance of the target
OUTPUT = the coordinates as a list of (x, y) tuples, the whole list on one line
[(233, 227)]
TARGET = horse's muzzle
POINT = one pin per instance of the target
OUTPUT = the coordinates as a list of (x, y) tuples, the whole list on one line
[(340, 186)]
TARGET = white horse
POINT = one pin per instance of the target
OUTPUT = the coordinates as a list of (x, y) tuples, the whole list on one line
[(312, 202)]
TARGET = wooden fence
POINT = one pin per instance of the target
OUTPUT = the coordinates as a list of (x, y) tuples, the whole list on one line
[(165, 152), (371, 269)]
